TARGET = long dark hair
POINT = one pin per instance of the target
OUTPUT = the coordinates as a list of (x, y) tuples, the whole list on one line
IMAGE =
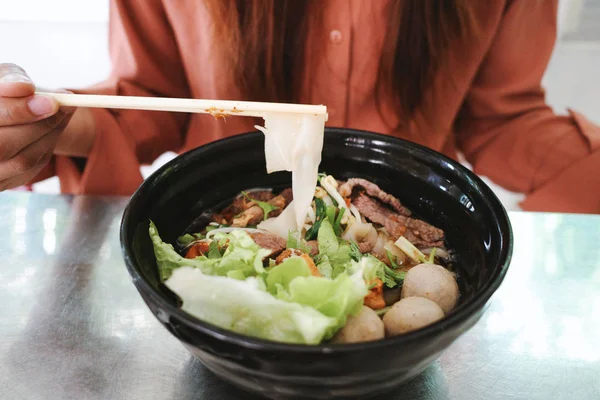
[(264, 44)]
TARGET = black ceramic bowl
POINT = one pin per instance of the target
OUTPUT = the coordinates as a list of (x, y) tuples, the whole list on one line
[(436, 188)]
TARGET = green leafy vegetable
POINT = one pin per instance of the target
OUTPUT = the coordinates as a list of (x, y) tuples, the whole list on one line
[(397, 276), (337, 225), (213, 250), (295, 242), (242, 254), (327, 241), (336, 298), (375, 269), (335, 215), (330, 212), (243, 306), (236, 274), (324, 266), (280, 276), (355, 253), (266, 207), (338, 253), (372, 268), (320, 215), (186, 239)]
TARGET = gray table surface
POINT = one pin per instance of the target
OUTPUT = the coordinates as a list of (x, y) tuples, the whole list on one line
[(72, 325)]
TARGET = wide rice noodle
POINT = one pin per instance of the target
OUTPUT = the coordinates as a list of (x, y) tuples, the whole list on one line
[(293, 143)]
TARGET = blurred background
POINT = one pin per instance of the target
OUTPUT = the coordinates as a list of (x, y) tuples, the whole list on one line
[(63, 44)]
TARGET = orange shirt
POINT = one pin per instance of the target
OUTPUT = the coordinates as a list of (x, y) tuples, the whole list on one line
[(493, 110)]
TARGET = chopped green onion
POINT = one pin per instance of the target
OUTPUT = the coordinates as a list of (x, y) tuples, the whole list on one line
[(330, 212), (410, 250), (236, 274), (337, 224), (392, 258), (321, 214), (432, 256)]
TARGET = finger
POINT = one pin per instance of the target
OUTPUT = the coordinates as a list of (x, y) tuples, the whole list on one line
[(25, 177), (15, 138), (31, 157), (26, 109), (14, 81)]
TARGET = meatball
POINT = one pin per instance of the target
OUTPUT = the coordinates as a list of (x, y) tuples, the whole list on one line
[(432, 282), (364, 327), (409, 314)]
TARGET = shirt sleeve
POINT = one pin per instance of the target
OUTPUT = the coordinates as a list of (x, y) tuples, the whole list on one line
[(145, 62), (508, 132)]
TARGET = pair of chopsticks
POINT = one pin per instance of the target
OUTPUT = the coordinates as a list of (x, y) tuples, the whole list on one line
[(217, 108)]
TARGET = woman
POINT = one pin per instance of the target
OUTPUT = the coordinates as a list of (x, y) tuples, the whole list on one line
[(454, 75)]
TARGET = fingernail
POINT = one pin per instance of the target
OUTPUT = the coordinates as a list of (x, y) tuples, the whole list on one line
[(40, 105), (15, 78)]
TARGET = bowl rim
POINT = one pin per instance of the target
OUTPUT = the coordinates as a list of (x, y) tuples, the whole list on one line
[(451, 321)]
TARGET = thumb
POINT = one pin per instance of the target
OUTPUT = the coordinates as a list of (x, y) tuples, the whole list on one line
[(14, 81)]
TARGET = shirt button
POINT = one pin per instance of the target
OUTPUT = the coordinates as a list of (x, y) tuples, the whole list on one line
[(335, 36)]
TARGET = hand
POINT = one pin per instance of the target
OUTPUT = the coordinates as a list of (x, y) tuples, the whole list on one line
[(29, 127)]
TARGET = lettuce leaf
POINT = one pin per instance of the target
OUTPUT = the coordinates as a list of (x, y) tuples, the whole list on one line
[(336, 298), (295, 241), (242, 255), (188, 238), (324, 266), (246, 308), (280, 276), (338, 254)]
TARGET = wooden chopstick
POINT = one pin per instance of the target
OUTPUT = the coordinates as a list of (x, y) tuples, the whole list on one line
[(217, 108)]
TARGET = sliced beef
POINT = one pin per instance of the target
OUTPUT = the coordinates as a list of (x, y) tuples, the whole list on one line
[(429, 235), (288, 195), (348, 188), (260, 195), (255, 214), (314, 247), (376, 212), (418, 232), (239, 205), (269, 241), (251, 216), (365, 247), (279, 202)]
